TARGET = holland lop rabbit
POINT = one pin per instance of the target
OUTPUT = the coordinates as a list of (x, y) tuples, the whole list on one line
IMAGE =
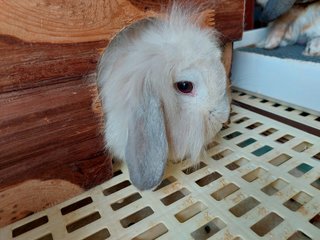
[(164, 93)]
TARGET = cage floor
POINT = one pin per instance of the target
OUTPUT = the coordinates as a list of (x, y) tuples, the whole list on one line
[(288, 52), (261, 181)]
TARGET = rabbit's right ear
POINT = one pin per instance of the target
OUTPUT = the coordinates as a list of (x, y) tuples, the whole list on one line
[(147, 148)]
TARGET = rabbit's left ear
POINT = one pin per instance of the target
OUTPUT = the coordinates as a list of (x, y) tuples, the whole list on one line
[(147, 148)]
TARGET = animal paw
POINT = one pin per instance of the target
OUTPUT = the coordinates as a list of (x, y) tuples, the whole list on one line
[(313, 47), (274, 38), (270, 43)]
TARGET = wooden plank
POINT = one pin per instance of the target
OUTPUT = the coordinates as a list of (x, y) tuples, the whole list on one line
[(229, 19), (50, 133), (45, 127), (28, 65), (94, 20)]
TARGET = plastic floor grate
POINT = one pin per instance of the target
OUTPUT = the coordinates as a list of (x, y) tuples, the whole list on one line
[(260, 181)]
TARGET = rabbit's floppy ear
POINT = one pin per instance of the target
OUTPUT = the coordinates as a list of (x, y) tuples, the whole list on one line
[(147, 148)]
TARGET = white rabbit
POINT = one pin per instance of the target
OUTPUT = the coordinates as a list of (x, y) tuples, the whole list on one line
[(164, 93)]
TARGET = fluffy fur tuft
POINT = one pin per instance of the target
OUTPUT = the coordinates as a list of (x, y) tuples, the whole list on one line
[(147, 119)]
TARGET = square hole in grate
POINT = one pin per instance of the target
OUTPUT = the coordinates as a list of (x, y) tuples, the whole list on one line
[(117, 173), (208, 230), (277, 161), (264, 101), (254, 175), (276, 105), (298, 235), (173, 197), (252, 97), (246, 142), (242, 94), (300, 170), (317, 156), (297, 201), (289, 109), (46, 237), (225, 191), (261, 151), (244, 206), (208, 179), (74, 206), (304, 114), (165, 182), (268, 132), (153, 233), (116, 188), (254, 125), (190, 212), (266, 224), (125, 201), (274, 187), (222, 154), (316, 184), (233, 114), (315, 220), (317, 119), (241, 120), (232, 135), (83, 222), (302, 146), (100, 235), (136, 217), (236, 164), (29, 226), (194, 168), (284, 138)]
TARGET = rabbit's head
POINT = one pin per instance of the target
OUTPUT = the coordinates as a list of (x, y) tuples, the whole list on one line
[(164, 93)]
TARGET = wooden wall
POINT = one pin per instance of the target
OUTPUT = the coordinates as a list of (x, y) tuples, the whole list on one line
[(51, 145)]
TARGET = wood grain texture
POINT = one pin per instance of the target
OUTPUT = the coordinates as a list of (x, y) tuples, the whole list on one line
[(69, 21), (45, 130), (65, 21), (53, 133), (17, 203), (26, 65)]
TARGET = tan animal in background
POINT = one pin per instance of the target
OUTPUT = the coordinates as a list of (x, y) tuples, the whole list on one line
[(300, 24)]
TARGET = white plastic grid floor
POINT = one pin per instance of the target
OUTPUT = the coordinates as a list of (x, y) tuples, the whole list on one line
[(262, 181)]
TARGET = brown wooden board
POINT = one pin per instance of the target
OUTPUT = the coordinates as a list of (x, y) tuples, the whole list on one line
[(26, 65), (50, 133), (94, 20)]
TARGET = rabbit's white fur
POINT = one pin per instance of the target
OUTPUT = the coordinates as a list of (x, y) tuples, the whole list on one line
[(143, 62)]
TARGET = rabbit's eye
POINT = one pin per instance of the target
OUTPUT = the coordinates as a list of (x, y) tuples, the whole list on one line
[(184, 87)]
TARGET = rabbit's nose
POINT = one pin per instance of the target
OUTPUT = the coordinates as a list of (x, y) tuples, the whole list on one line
[(221, 116), (222, 111)]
